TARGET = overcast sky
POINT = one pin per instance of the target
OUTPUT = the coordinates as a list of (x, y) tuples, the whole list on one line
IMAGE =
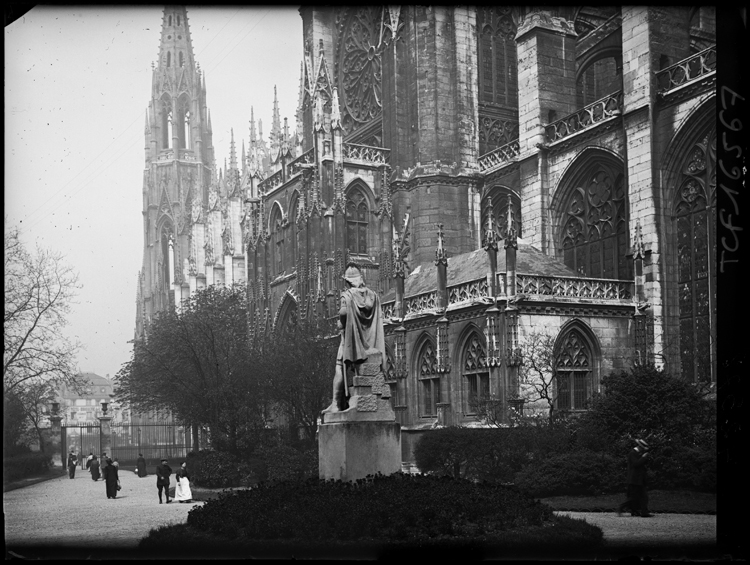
[(77, 85)]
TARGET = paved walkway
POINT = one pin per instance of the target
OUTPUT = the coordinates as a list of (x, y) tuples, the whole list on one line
[(77, 513)]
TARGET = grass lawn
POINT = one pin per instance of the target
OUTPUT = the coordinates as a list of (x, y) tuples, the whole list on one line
[(660, 501)]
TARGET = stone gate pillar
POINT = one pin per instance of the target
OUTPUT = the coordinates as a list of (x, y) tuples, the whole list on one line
[(55, 440), (105, 435)]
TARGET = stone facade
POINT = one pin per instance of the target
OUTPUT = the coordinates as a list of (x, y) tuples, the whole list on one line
[(582, 138)]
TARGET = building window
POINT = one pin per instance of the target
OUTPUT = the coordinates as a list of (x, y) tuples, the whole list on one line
[(500, 204), (182, 59), (696, 274), (277, 243), (498, 73), (357, 215), (594, 236), (476, 373), (573, 372), (429, 379)]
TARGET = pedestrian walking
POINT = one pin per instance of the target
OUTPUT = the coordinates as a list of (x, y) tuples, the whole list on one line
[(141, 466), (72, 465), (94, 468), (162, 478), (182, 492), (103, 462), (637, 497), (88, 459), (111, 479)]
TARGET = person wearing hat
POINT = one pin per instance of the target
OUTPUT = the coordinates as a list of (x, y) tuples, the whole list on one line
[(361, 329), (162, 478), (72, 460), (637, 497)]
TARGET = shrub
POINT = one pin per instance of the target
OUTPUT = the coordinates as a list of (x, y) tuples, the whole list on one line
[(494, 454), (25, 465), (214, 469), (398, 507), (580, 472), (283, 462)]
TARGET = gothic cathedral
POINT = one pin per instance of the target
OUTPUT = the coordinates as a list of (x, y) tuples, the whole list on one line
[(498, 174)]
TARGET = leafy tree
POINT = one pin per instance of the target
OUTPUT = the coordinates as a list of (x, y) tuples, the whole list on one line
[(298, 363), (14, 425), (649, 403), (33, 398), (39, 289), (196, 362)]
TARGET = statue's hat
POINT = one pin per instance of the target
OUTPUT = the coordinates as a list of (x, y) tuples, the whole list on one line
[(353, 276)]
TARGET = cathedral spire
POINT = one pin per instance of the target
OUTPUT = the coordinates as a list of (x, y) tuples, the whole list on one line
[(232, 150), (175, 47), (276, 123)]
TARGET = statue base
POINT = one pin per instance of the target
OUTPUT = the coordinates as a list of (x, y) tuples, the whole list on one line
[(364, 439), (348, 451)]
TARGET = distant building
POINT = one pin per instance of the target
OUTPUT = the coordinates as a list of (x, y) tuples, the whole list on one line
[(84, 408)]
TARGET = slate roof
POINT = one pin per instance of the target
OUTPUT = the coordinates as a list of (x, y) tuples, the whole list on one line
[(475, 265)]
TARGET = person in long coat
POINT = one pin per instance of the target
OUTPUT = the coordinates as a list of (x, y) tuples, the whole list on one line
[(162, 479), (72, 465), (94, 468), (111, 479), (637, 478), (141, 466)]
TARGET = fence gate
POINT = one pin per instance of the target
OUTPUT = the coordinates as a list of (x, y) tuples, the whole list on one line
[(83, 439), (154, 441)]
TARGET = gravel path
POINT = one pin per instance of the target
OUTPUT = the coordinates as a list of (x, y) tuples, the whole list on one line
[(77, 513)]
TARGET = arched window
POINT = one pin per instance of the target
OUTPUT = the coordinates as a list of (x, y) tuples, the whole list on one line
[(182, 60), (169, 58), (357, 218), (277, 242), (594, 234), (696, 274), (178, 21), (170, 21), (429, 379), (573, 371), (476, 373), (183, 122), (293, 208), (166, 122), (498, 72)]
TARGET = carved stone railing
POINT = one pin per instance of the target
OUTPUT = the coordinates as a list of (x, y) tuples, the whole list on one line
[(425, 303), (602, 109), (366, 153), (276, 179), (688, 70), (388, 310), (468, 291), (573, 287), (294, 167), (499, 155)]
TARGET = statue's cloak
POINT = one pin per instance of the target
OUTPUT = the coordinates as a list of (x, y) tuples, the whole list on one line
[(364, 325)]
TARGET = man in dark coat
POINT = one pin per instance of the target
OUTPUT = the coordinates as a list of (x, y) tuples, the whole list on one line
[(141, 465), (162, 478), (111, 479), (637, 497), (94, 468), (72, 465)]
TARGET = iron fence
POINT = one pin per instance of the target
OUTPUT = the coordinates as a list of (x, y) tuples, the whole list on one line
[(154, 441)]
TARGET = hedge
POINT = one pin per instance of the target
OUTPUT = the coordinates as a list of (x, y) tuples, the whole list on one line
[(578, 473), (398, 507), (214, 469), (25, 465)]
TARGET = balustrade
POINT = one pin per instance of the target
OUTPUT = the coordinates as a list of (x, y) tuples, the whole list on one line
[(421, 304), (602, 109), (499, 155), (572, 287), (366, 153), (295, 167), (687, 70), (276, 179), (473, 290)]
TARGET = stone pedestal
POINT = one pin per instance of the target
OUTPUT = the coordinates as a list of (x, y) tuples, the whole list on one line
[(364, 439), (55, 440)]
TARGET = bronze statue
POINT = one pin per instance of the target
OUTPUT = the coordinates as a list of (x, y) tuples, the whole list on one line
[(361, 328)]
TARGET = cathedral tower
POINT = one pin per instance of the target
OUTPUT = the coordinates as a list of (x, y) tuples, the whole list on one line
[(179, 159)]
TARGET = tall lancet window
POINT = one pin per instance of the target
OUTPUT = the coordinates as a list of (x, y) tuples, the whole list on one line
[(694, 216), (476, 373), (357, 219), (429, 378), (166, 122), (573, 372)]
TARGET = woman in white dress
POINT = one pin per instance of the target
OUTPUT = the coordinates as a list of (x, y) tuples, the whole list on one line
[(182, 491)]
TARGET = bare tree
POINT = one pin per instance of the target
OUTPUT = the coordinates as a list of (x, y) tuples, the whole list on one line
[(537, 372), (39, 289), (34, 396)]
